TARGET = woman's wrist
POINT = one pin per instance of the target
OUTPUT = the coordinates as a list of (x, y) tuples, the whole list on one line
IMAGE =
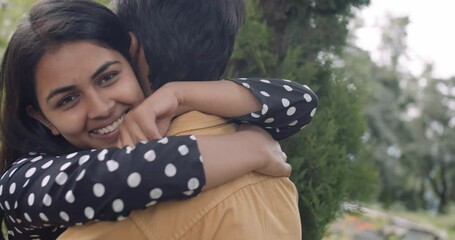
[(221, 97), (226, 157), (177, 91)]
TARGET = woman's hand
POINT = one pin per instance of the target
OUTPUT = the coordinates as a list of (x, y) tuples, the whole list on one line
[(272, 160), (150, 119), (227, 157)]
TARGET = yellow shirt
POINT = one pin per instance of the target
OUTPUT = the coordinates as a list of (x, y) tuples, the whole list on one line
[(251, 207)]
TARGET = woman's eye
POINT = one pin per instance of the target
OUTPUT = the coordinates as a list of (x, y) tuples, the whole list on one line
[(107, 79), (66, 100)]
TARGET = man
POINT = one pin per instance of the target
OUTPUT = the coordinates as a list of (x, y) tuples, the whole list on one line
[(192, 40), (183, 39)]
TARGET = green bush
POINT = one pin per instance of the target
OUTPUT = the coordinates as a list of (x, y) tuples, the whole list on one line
[(299, 40)]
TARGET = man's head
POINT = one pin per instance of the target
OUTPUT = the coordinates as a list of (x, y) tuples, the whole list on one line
[(183, 39)]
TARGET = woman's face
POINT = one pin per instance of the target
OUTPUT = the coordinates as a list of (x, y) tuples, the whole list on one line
[(84, 91)]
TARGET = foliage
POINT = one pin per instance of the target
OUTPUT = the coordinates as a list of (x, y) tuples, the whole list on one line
[(410, 125), (10, 13), (299, 40)]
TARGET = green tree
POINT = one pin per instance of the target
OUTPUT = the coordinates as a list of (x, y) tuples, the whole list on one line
[(410, 124), (299, 40), (10, 12), (437, 125), (388, 132)]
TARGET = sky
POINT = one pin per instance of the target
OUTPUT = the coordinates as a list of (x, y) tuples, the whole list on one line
[(431, 36)]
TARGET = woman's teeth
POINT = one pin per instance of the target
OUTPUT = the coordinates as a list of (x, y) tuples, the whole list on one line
[(108, 129)]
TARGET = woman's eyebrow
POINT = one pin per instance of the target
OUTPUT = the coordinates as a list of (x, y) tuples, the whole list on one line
[(59, 90), (71, 87), (103, 67)]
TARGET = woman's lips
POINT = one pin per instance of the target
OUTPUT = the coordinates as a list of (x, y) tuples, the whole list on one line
[(110, 128)]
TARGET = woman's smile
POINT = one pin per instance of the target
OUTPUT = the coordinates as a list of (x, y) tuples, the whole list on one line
[(110, 128)]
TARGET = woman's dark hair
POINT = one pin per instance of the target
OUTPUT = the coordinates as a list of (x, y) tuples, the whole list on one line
[(48, 25)]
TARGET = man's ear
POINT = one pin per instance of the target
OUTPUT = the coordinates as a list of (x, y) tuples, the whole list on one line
[(139, 63), (38, 116), (134, 47)]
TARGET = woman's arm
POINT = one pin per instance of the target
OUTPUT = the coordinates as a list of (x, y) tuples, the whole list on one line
[(281, 107), (107, 184), (286, 106)]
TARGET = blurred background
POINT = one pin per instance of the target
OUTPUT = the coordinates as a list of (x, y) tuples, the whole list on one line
[(378, 160)]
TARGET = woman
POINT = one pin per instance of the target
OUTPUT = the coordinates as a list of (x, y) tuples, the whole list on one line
[(27, 114)]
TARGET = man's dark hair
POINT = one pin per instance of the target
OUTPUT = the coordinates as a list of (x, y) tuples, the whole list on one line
[(183, 39)]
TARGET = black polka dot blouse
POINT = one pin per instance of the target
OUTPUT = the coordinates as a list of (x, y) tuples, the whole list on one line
[(41, 195)]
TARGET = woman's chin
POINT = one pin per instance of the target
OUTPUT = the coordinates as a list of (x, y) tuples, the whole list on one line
[(105, 140)]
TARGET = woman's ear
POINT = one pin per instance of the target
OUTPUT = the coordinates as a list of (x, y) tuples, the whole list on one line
[(38, 116)]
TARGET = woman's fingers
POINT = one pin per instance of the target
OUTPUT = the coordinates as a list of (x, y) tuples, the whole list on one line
[(273, 159)]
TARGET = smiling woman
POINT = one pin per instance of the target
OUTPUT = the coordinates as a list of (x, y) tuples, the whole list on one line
[(85, 101)]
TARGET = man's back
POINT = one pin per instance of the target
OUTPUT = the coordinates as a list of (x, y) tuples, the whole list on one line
[(254, 206)]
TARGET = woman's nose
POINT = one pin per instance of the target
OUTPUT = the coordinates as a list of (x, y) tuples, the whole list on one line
[(99, 106)]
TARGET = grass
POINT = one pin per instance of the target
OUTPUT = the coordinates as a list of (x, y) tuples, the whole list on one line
[(441, 222)]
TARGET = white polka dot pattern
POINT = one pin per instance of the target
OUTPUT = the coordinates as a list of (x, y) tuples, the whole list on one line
[(84, 159), (45, 181), (183, 150), (31, 199), (61, 178), (102, 155), (269, 120), (47, 200), (30, 172), (98, 190), (69, 196), (156, 193), (170, 170), (150, 155), (71, 155), (12, 188), (265, 93), (265, 109), (117, 205), (46, 165), (64, 216), (65, 166), (89, 213), (291, 111), (43, 217), (285, 102), (112, 165), (313, 112), (193, 183), (81, 175), (134, 179)]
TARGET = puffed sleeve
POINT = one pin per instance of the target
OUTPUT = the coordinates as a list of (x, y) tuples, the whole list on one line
[(106, 184), (287, 106)]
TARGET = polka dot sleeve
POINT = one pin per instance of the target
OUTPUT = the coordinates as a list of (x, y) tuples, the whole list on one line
[(107, 184), (286, 106)]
